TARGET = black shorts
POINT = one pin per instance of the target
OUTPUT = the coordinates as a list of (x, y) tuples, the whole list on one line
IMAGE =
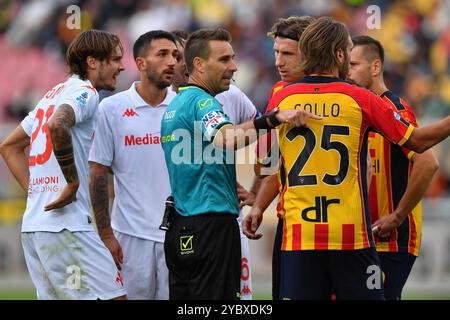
[(396, 267), (316, 274), (203, 255)]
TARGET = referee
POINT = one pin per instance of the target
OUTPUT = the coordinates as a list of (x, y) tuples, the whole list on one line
[(202, 246)]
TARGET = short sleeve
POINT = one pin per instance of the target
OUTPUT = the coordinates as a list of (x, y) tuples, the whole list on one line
[(387, 121), (409, 116), (102, 150), (27, 122), (209, 113), (83, 100)]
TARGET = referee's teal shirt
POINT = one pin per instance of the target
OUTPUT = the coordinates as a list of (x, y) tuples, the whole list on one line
[(202, 178)]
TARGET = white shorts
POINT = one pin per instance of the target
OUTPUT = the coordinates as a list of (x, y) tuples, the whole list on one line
[(71, 266), (144, 268), (246, 276)]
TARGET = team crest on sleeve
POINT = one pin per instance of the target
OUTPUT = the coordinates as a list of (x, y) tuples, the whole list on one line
[(205, 103), (399, 118), (82, 98), (211, 121)]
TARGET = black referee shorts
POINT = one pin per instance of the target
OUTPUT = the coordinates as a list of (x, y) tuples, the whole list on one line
[(203, 255)]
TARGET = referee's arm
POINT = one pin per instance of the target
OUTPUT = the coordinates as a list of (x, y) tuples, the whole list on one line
[(236, 137)]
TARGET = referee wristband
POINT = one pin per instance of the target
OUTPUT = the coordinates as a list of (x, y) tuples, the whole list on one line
[(272, 118), (261, 122)]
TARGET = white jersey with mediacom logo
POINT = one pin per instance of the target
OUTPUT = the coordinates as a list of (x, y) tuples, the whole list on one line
[(46, 178), (128, 140)]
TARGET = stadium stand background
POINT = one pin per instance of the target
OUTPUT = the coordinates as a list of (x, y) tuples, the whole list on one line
[(415, 34)]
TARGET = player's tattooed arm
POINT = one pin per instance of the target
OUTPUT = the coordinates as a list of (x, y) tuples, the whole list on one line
[(59, 125), (98, 188)]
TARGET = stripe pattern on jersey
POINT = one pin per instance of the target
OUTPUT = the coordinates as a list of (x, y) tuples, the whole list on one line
[(391, 170)]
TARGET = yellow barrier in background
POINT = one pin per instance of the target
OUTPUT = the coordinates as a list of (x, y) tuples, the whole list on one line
[(11, 211)]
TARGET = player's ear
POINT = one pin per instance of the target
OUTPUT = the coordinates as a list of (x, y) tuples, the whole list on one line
[(340, 56), (92, 62), (377, 67), (199, 64), (140, 63)]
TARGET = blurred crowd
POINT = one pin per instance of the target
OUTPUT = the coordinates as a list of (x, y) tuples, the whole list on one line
[(415, 34)]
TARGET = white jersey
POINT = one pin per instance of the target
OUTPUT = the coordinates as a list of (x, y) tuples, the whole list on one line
[(128, 139), (238, 107), (46, 178)]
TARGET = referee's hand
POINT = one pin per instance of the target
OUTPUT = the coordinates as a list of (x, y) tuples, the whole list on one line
[(251, 223)]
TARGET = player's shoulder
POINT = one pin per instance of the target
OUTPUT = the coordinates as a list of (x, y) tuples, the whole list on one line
[(74, 83), (233, 95), (78, 93), (277, 87), (109, 104), (333, 84), (117, 97), (395, 101), (80, 90), (118, 101), (233, 90)]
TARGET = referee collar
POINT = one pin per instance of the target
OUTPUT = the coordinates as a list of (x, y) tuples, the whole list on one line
[(190, 85)]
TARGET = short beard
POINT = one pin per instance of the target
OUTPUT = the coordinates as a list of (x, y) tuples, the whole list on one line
[(103, 85), (344, 67), (158, 82)]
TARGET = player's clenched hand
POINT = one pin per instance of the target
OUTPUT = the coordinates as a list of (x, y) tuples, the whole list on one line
[(251, 223), (245, 197), (114, 247), (296, 117), (384, 226), (68, 195)]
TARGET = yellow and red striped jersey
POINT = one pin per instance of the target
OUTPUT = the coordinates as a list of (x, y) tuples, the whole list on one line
[(276, 87), (324, 195), (391, 167), (264, 142)]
